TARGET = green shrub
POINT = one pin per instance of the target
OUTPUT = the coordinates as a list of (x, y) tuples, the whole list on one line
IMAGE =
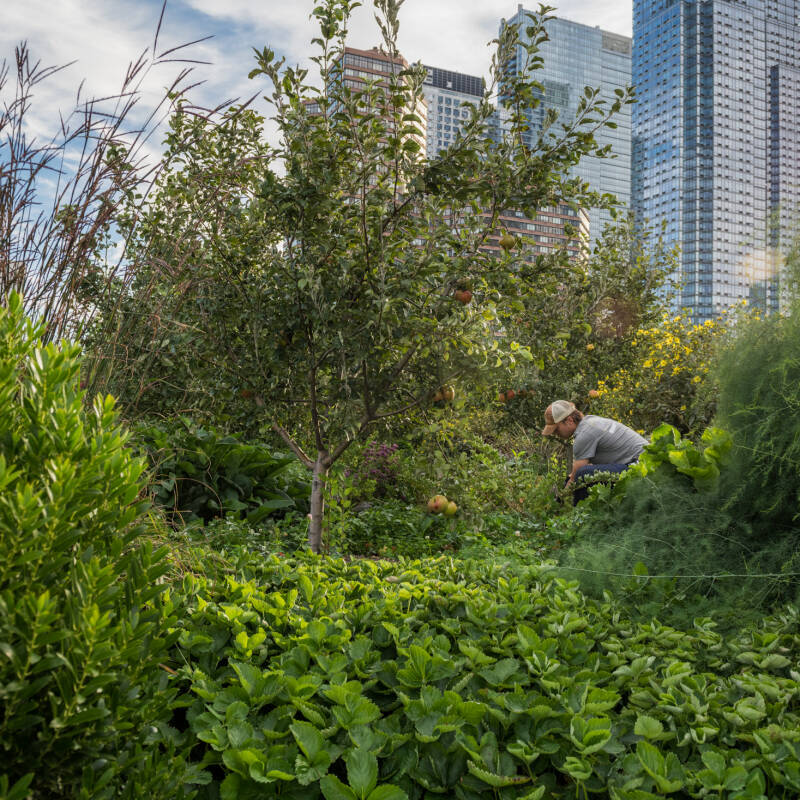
[(666, 535), (666, 377), (373, 473), (759, 379), (223, 535), (395, 529), (313, 678), (474, 474), (202, 474), (83, 702)]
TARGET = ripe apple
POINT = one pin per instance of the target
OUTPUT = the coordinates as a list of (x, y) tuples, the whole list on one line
[(594, 393), (464, 296), (437, 503), (501, 397), (450, 509), (511, 394), (448, 393)]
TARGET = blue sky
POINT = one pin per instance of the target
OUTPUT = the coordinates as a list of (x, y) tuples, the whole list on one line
[(104, 36)]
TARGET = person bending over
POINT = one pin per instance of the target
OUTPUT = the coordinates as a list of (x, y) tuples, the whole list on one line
[(599, 444)]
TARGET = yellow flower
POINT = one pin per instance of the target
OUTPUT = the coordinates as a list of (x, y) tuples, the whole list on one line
[(696, 379)]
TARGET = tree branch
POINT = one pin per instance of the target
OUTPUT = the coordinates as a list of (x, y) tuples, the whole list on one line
[(293, 446)]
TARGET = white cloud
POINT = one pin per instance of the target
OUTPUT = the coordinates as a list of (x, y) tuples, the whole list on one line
[(104, 37)]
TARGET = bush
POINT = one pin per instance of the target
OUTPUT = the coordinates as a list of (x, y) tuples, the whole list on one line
[(374, 471), (474, 474), (665, 379), (314, 678), (667, 537), (394, 529), (82, 628), (202, 474), (759, 380)]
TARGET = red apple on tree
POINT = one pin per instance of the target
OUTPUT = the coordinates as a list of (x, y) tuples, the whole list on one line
[(437, 503)]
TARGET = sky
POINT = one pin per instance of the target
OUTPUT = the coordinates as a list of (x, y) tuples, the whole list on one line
[(103, 37)]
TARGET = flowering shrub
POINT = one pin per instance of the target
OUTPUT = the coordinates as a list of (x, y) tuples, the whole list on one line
[(375, 471), (666, 378)]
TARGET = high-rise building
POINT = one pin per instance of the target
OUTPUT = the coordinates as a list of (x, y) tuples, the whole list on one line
[(358, 69), (577, 56), (447, 93), (716, 146)]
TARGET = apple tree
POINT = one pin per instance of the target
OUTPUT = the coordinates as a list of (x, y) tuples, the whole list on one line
[(348, 274)]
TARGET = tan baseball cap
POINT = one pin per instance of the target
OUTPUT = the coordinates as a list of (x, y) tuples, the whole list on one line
[(556, 412)]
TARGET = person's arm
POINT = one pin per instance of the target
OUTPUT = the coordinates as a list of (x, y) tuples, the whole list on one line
[(576, 465)]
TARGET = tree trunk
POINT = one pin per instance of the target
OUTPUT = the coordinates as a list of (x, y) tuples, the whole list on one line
[(321, 467)]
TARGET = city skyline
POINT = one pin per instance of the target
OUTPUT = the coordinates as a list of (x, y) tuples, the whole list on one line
[(749, 111), (102, 39)]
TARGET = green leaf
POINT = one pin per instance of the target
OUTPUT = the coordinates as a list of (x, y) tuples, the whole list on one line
[(334, 789), (715, 762), (590, 735), (736, 778), (578, 768), (536, 794), (387, 792), (666, 774), (230, 789), (497, 781), (648, 727), (362, 771), (19, 791), (774, 661), (309, 770), (308, 738), (650, 758), (306, 587)]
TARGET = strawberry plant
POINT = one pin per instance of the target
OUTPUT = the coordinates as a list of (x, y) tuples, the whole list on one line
[(318, 678)]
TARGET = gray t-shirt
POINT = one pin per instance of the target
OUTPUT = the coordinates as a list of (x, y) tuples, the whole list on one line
[(605, 441)]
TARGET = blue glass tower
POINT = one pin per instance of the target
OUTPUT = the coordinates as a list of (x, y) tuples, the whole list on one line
[(715, 141), (577, 56)]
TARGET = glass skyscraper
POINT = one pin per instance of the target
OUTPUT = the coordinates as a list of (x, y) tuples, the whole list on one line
[(577, 56), (715, 141)]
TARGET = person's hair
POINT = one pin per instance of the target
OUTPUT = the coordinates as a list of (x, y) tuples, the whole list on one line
[(576, 415)]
